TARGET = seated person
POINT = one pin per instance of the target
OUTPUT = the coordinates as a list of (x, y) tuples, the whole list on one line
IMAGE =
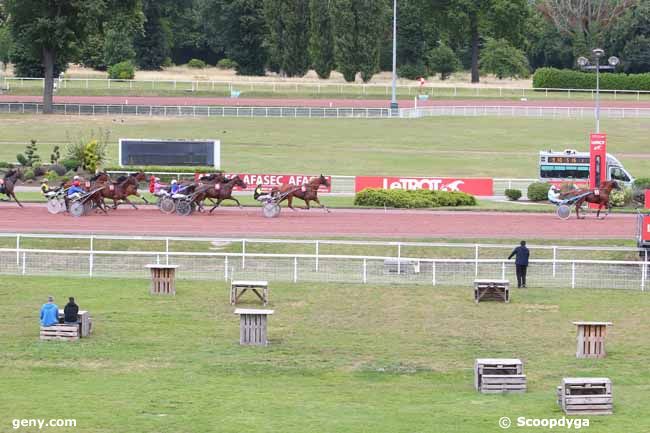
[(49, 313), (75, 188), (45, 187), (158, 187), (70, 312), (175, 187), (554, 194)]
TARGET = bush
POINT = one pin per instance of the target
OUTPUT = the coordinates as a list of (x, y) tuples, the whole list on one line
[(570, 79), (70, 164), (504, 60), (617, 198), (58, 169), (21, 159), (122, 71), (443, 60), (422, 198), (55, 155), (538, 191), (38, 169), (637, 191), (196, 64), (411, 71), (29, 174), (5, 164), (513, 194), (53, 176), (226, 64), (89, 150), (167, 62)]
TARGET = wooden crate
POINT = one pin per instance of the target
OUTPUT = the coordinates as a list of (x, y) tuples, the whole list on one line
[(237, 289), (591, 339), (163, 279), (493, 375), (60, 332), (253, 326), (491, 290), (586, 396)]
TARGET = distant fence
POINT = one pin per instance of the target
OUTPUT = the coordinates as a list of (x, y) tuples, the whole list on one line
[(321, 88), (596, 274), (325, 113)]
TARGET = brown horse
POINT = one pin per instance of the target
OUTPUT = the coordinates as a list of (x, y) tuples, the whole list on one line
[(123, 188), (219, 191), (307, 192), (599, 196), (8, 183)]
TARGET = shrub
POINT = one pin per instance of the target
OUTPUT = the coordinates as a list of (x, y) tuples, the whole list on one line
[(52, 176), (58, 169), (122, 71), (38, 169), (617, 198), (89, 150), (196, 64), (638, 189), (70, 164), (504, 60), (398, 198), (21, 159), (55, 155), (443, 60), (570, 79), (226, 64), (412, 71), (167, 62), (5, 164), (513, 194), (538, 191), (29, 174)]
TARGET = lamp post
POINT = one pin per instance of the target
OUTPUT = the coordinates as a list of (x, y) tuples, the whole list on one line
[(583, 62), (393, 101)]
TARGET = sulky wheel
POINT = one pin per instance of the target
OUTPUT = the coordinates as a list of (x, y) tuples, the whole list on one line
[(184, 208), (77, 209), (167, 205), (563, 211), (271, 210), (54, 206)]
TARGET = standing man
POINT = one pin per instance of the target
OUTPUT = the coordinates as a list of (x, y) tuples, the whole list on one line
[(521, 254)]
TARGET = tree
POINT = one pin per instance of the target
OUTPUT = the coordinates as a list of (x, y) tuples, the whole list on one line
[(6, 45), (321, 38), (628, 38), (152, 44), (443, 60), (244, 29), (345, 40), (504, 60), (287, 23), (585, 21), (412, 37)]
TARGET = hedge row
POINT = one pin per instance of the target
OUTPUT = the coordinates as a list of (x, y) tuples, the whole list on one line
[(421, 198), (552, 78)]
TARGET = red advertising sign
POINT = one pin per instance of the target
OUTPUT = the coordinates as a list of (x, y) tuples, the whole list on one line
[(271, 180), (474, 186), (597, 160), (647, 198), (645, 228)]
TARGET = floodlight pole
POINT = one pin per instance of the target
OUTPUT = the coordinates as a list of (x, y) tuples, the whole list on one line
[(393, 101), (597, 94)]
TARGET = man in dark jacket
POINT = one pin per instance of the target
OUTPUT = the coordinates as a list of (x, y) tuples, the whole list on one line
[(70, 312), (521, 255)]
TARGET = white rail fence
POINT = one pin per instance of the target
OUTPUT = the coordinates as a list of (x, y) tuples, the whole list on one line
[(538, 112), (309, 268), (316, 88)]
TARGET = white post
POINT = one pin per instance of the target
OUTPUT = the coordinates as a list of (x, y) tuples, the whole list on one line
[(317, 249), (225, 269), (166, 251), (433, 273), (399, 258), (573, 275), (554, 260), (157, 259), (243, 253), (295, 269), (365, 270), (24, 263), (643, 276), (17, 250), (90, 265), (476, 260), (503, 270)]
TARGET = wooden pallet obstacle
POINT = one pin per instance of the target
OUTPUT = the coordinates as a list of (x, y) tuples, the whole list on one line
[(85, 322), (491, 290), (253, 326), (586, 396), (260, 288), (591, 339), (60, 332), (496, 375), (163, 279)]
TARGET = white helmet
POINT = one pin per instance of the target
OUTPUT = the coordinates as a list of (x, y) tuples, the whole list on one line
[(157, 179), (174, 181), (75, 178)]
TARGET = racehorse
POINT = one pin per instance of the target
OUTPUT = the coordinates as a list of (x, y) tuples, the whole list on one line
[(307, 193), (9, 182), (599, 196), (219, 191), (121, 190)]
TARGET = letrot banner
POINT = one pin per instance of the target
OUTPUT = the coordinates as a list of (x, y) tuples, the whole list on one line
[(474, 186), (270, 180)]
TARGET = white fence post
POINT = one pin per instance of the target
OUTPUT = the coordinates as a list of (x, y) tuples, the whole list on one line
[(365, 271), (17, 250), (503, 270), (166, 251), (554, 260), (573, 275), (317, 253), (243, 253), (225, 269), (399, 258), (476, 260), (90, 264), (24, 262), (433, 272), (295, 269)]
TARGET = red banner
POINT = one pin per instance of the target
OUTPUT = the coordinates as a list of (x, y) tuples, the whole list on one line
[(647, 198), (474, 186), (270, 180), (597, 160), (645, 228)]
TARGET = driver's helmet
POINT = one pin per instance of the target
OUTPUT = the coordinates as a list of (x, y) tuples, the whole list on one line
[(157, 179), (76, 178), (174, 181), (45, 180)]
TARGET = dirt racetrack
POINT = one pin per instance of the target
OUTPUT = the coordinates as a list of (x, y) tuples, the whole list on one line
[(228, 222)]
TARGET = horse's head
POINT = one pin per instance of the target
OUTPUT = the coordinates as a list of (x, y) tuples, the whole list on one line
[(139, 176), (323, 181), (102, 176), (610, 185), (237, 181)]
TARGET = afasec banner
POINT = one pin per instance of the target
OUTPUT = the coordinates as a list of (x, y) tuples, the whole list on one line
[(474, 186), (271, 180)]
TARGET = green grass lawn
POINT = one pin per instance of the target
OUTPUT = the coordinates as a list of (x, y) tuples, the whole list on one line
[(495, 147), (342, 358)]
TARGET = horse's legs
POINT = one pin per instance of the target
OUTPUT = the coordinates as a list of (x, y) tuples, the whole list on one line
[(306, 204), (216, 205), (14, 196), (321, 205), (600, 206), (578, 204), (290, 202)]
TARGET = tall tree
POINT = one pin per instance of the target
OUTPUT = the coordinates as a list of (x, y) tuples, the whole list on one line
[(152, 45), (243, 33), (345, 38), (321, 37)]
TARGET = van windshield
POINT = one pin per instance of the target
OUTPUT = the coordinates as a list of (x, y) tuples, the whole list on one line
[(618, 174)]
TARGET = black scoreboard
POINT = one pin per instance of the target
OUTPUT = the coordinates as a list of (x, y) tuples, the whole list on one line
[(170, 152)]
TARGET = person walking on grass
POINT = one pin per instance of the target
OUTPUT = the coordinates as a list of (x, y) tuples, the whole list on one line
[(521, 254)]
